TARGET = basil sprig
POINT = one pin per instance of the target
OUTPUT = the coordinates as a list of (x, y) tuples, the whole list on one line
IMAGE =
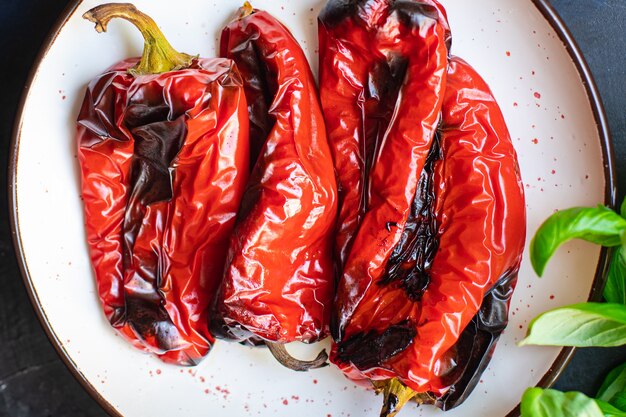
[(615, 290), (589, 324), (580, 325), (609, 410), (610, 401), (538, 402), (613, 390), (599, 225)]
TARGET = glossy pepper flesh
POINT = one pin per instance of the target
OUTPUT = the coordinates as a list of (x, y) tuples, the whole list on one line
[(279, 284), (421, 246), (382, 75), (382, 71), (482, 227), (482, 221), (162, 145)]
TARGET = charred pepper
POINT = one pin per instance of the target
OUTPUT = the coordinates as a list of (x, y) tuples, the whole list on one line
[(481, 221), (279, 281), (434, 243), (382, 75), (163, 151), (482, 231)]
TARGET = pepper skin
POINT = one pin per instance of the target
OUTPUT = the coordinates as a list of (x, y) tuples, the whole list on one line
[(382, 75), (372, 55), (164, 163), (476, 143), (473, 193), (279, 281)]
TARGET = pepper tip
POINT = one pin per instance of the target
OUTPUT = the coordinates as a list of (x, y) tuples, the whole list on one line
[(100, 26)]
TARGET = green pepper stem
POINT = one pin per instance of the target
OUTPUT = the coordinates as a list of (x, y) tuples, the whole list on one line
[(158, 55), (396, 395), (246, 10)]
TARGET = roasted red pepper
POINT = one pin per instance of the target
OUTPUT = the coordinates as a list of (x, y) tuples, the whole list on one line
[(279, 280), (382, 75), (431, 231), (163, 150), (481, 217), (382, 71)]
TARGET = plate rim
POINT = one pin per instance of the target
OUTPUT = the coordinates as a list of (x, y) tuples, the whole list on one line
[(553, 19)]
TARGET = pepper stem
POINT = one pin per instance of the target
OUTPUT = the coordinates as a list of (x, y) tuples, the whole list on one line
[(396, 395), (279, 352), (246, 10), (158, 55)]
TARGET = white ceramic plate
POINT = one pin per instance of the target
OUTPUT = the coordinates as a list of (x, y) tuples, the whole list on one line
[(556, 123)]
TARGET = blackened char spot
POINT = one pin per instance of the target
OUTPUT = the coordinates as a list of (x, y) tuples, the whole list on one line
[(143, 316), (156, 146), (232, 330), (412, 257), (385, 79), (151, 322), (389, 225), (413, 13), (335, 328), (336, 11), (410, 13), (392, 403), (260, 87), (142, 114), (372, 349), (478, 341), (157, 142)]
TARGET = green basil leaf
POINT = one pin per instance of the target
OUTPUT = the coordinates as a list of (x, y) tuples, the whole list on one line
[(615, 290), (580, 325), (619, 401), (614, 383), (597, 225), (623, 209), (537, 402), (610, 411)]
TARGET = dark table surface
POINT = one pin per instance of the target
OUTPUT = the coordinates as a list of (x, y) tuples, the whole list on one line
[(33, 380)]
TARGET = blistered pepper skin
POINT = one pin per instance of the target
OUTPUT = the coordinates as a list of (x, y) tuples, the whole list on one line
[(382, 75), (479, 213), (368, 48), (279, 284), (164, 163)]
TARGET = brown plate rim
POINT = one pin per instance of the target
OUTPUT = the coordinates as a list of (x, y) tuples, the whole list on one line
[(549, 14)]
